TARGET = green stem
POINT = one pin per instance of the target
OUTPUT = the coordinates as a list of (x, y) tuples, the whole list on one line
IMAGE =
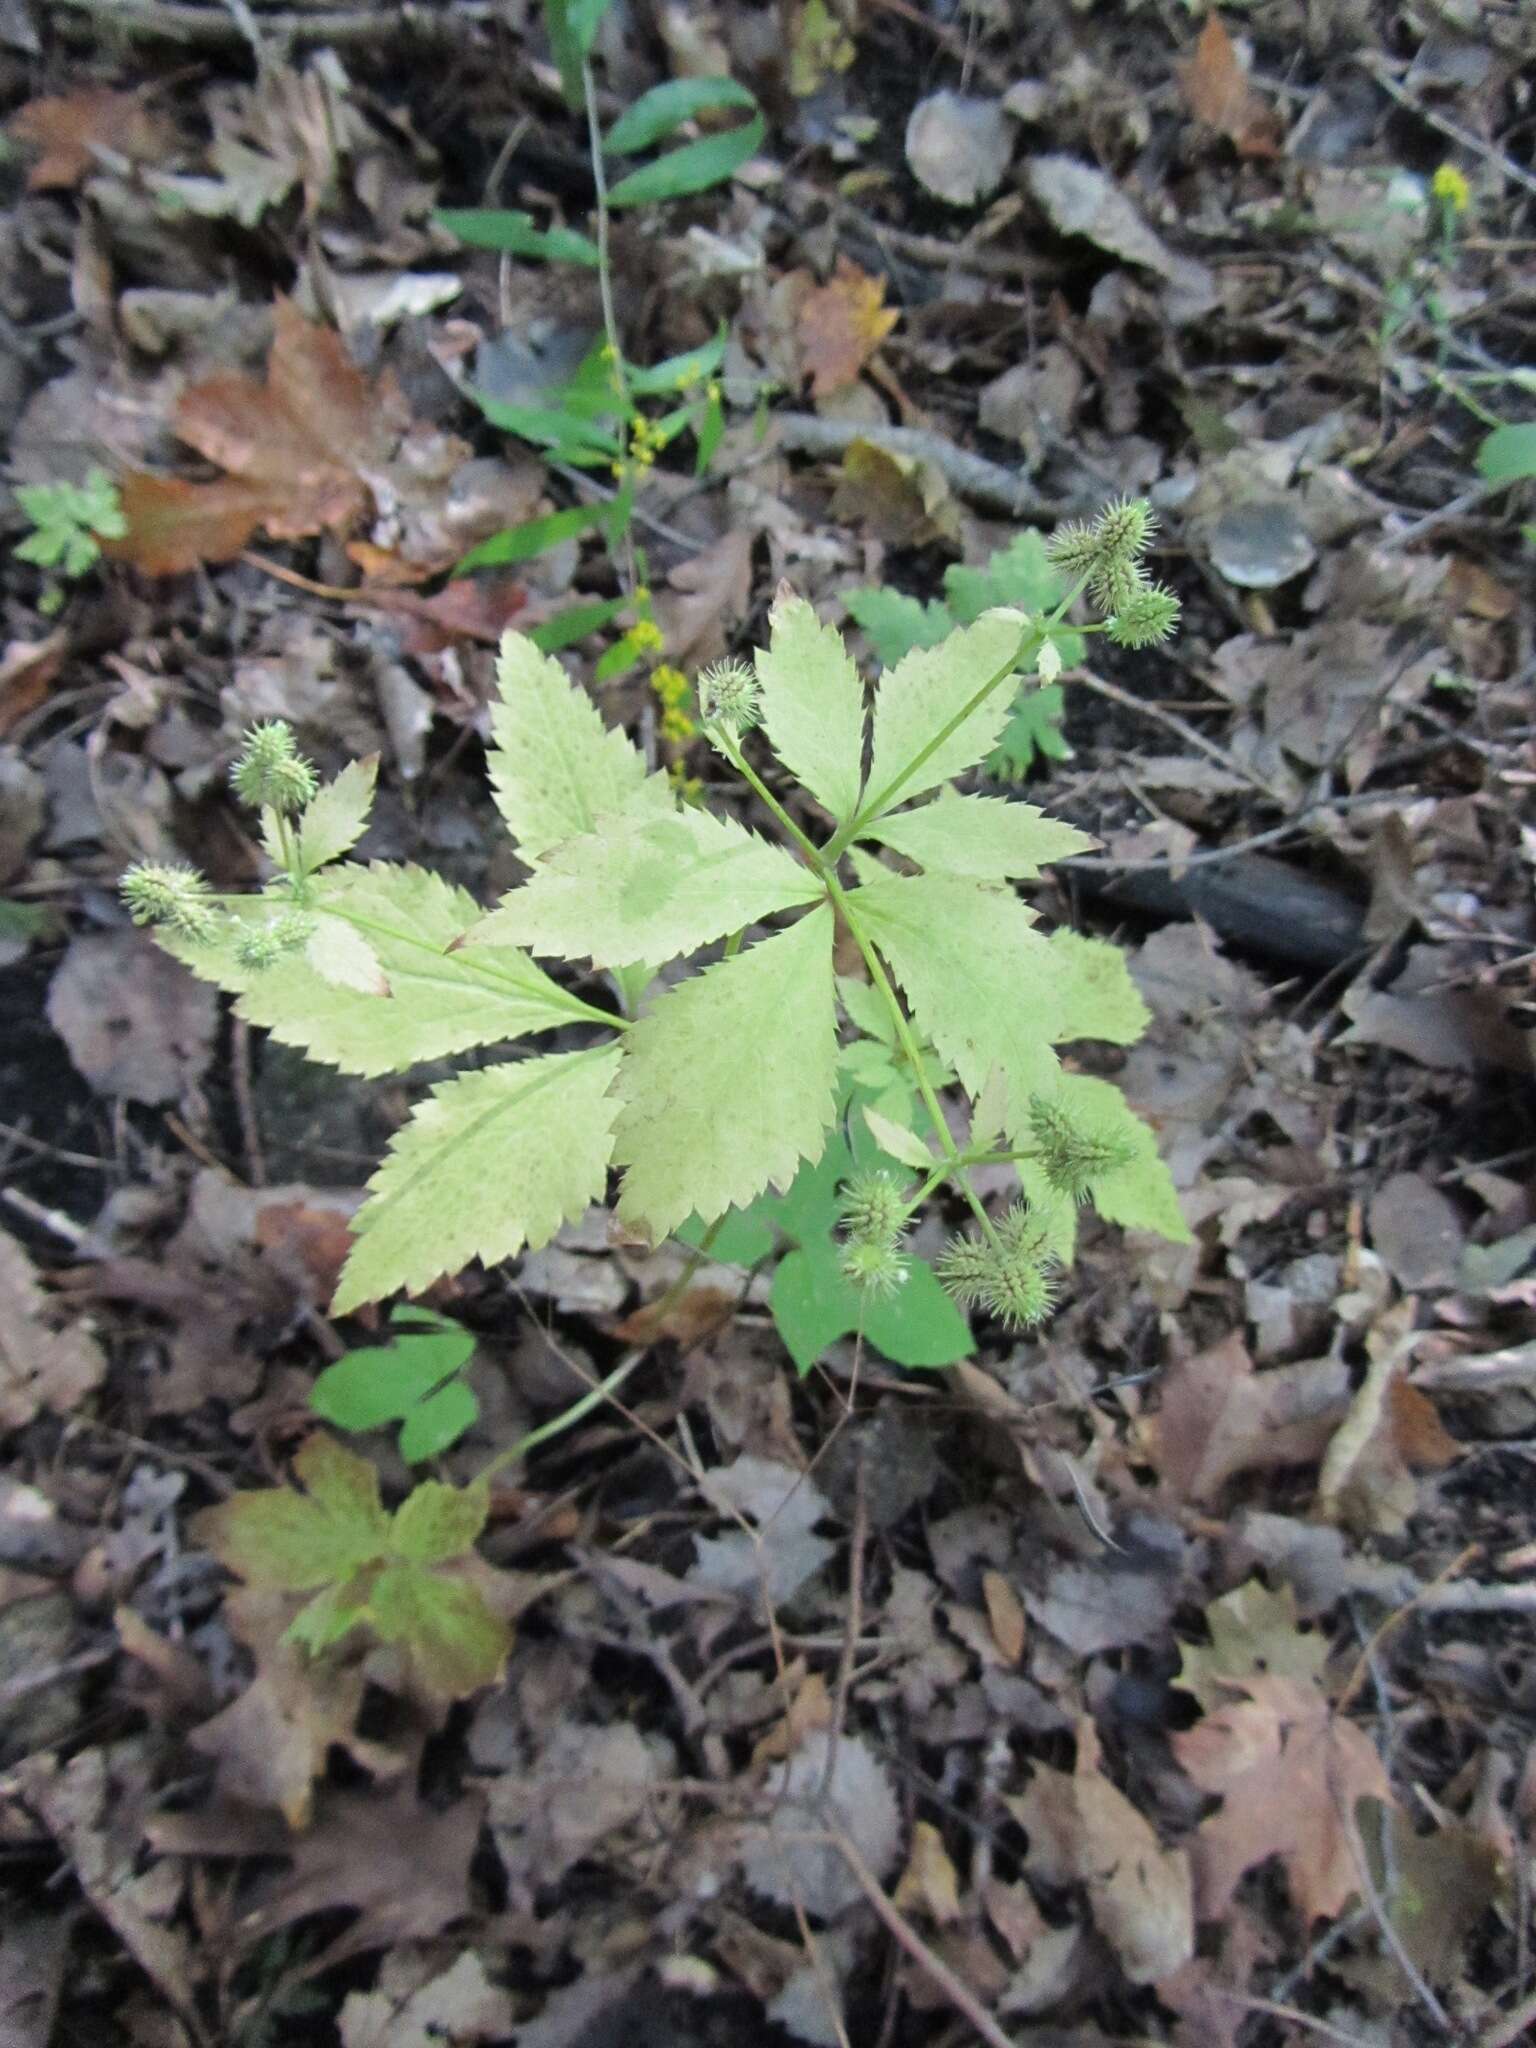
[(566, 1419), (605, 290), (731, 748), (954, 1165)]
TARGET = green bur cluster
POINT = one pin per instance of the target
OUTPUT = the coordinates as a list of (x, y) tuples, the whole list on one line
[(708, 1089)]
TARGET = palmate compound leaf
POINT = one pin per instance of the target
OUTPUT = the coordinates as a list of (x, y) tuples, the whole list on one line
[(924, 696), (489, 1162), (439, 1002), (813, 706), (727, 1085), (649, 889), (978, 977), (455, 1643), (556, 769), (986, 837), (293, 1542)]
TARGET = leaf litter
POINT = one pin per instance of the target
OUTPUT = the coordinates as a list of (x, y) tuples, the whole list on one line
[(1164, 1682)]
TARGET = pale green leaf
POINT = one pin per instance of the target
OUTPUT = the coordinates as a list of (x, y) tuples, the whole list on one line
[(727, 1084), (649, 889), (1097, 996), (927, 727), (894, 623), (1140, 1194), (439, 1001), (379, 1383), (556, 769), (692, 168), (896, 1143), (984, 836), (813, 706), (442, 1622), (336, 816), (342, 957), (489, 1162), (438, 1422), (865, 1008), (666, 107), (978, 978), (435, 1522), (294, 1542), (333, 1613)]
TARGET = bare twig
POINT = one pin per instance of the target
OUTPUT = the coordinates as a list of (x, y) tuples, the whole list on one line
[(1370, 61), (1175, 724), (960, 1995), (176, 21), (989, 483)]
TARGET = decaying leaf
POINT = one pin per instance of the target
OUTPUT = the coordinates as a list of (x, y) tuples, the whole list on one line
[(416, 2004), (1219, 92), (40, 1367), (790, 1857), (75, 130), (306, 450), (136, 1023), (842, 324), (1390, 1432), (1219, 1417), (959, 147), (1290, 1773), (1254, 1633), (903, 502), (1083, 1830)]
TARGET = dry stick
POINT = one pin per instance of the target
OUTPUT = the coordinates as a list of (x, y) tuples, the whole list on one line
[(1452, 130), (989, 483), (1511, 2026), (1209, 856), (960, 1996), (1292, 2013), (1423, 1597), (1175, 724), (177, 22)]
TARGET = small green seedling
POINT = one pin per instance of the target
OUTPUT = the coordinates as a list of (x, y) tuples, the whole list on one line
[(69, 523), (708, 1091), (413, 1380)]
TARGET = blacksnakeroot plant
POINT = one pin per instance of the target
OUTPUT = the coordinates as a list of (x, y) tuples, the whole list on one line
[(706, 1089)]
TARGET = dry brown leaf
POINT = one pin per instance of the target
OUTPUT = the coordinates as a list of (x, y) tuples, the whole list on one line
[(705, 597), (1390, 1431), (1005, 1611), (929, 1884), (1083, 1830), (842, 324), (137, 1023), (903, 502), (1289, 1772), (303, 449), (417, 2006), (70, 129), (1219, 1417), (28, 670), (1220, 93), (39, 1367)]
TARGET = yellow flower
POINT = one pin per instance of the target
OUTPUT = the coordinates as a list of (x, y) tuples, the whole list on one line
[(646, 637), (677, 727), (1450, 187)]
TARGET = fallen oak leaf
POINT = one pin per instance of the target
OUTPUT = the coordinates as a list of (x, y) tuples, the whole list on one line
[(1219, 1417), (1219, 92), (1290, 1773)]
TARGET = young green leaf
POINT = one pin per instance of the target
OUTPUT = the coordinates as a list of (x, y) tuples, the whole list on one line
[(379, 1383), (556, 769), (895, 624), (666, 107), (985, 837), (934, 717), (813, 706), (978, 977), (336, 816), (1094, 988), (436, 1424), (680, 372), (293, 1542), (727, 1084), (522, 543), (439, 1001), (693, 168), (486, 227), (572, 27), (488, 1163), (1033, 731), (814, 1305), (649, 888), (1504, 456), (897, 1142)]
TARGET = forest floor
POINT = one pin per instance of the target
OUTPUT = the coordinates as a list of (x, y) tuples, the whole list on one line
[(1166, 1676)]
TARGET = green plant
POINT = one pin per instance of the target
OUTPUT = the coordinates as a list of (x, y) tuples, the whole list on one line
[(1021, 574), (69, 523), (414, 1380), (613, 414), (729, 1080)]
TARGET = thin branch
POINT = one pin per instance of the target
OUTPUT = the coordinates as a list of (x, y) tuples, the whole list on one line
[(988, 483)]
